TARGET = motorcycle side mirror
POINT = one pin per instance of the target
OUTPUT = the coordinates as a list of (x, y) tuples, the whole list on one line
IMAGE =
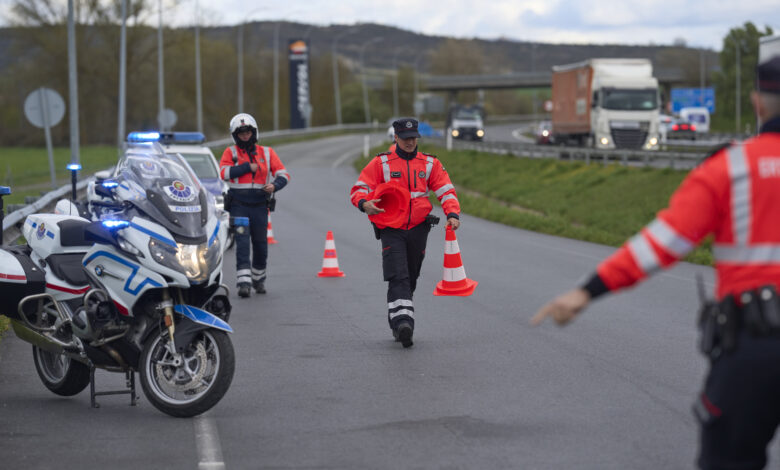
[(106, 188)]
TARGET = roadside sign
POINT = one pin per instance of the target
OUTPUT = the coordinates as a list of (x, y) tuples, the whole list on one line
[(167, 119), (548, 106), (693, 98), (44, 107)]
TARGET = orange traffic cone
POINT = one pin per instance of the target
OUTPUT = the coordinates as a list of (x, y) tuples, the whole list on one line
[(454, 281), (270, 232), (330, 262)]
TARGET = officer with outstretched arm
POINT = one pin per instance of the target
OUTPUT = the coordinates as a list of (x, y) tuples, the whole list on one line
[(735, 196)]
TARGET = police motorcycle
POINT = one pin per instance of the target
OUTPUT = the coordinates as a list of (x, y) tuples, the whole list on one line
[(136, 289)]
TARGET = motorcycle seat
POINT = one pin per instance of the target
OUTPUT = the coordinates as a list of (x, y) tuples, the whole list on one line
[(72, 232), (68, 267)]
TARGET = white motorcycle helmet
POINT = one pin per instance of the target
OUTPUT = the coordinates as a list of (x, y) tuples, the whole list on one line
[(240, 122)]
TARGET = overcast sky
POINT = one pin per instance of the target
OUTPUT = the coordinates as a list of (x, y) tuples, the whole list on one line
[(701, 23)]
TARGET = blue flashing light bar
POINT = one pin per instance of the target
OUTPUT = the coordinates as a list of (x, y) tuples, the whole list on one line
[(74, 166), (143, 137), (167, 137), (109, 184), (183, 138), (5, 190), (115, 224)]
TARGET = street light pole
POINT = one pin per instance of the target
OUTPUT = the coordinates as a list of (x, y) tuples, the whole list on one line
[(336, 91), (417, 81), (396, 112), (198, 83), (366, 105), (120, 131), (160, 65), (739, 103), (73, 88), (276, 76), (240, 52)]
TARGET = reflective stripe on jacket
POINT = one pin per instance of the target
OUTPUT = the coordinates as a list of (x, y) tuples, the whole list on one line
[(421, 174), (248, 180), (734, 195)]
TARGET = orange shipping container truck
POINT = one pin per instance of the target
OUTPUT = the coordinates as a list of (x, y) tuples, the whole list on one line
[(606, 104)]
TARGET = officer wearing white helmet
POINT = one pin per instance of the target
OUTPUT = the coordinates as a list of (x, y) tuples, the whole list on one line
[(254, 173)]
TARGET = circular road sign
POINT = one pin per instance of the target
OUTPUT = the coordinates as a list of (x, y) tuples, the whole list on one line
[(548, 106), (167, 118), (44, 107)]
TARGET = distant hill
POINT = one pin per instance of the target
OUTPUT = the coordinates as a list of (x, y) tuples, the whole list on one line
[(502, 56)]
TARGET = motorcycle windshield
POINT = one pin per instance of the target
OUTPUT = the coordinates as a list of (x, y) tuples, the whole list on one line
[(166, 189)]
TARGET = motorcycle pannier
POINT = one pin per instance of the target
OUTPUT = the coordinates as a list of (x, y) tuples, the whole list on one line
[(19, 277)]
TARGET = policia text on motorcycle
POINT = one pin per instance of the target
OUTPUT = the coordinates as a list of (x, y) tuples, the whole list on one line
[(253, 173), (403, 243), (734, 195)]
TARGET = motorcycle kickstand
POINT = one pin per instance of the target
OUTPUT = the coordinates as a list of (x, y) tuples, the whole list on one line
[(129, 383)]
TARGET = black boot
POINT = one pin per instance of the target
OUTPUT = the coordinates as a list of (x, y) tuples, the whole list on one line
[(403, 333), (244, 289), (259, 286)]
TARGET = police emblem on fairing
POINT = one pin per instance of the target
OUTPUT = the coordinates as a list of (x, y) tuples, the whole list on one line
[(41, 232), (179, 191), (421, 174), (150, 167)]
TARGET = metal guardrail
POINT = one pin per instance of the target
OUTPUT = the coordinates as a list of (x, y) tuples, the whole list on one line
[(13, 221), (301, 132), (658, 159)]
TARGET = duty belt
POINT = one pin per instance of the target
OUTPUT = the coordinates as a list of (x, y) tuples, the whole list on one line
[(757, 311)]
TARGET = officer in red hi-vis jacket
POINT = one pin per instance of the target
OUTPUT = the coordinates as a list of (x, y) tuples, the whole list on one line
[(403, 246), (734, 195), (253, 173)]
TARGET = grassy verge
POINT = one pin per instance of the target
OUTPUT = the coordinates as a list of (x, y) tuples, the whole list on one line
[(4, 323), (26, 169), (605, 205)]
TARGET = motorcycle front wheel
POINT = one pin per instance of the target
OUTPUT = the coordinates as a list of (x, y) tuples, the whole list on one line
[(59, 373), (196, 381)]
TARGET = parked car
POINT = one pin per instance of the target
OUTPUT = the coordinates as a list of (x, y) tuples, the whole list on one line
[(190, 146)]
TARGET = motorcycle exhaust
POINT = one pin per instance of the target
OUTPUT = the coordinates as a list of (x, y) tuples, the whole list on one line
[(43, 342)]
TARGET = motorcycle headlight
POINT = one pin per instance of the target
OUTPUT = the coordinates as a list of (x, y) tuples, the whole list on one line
[(194, 261)]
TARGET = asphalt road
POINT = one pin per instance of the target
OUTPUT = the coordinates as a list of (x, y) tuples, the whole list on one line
[(320, 383)]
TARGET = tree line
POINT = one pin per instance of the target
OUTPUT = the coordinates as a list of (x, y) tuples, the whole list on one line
[(37, 56)]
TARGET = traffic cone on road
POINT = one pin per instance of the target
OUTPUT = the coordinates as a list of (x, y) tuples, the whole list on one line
[(330, 261), (270, 232), (454, 281)]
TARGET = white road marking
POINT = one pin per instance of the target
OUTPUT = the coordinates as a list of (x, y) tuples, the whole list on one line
[(207, 441)]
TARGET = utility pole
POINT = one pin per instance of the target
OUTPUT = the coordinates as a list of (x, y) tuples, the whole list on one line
[(738, 97), (73, 88), (120, 138), (198, 83), (160, 72)]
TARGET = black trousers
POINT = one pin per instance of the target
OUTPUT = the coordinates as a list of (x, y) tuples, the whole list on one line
[(251, 268), (403, 252), (739, 409)]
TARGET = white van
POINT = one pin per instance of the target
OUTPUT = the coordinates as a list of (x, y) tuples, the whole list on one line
[(699, 117)]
